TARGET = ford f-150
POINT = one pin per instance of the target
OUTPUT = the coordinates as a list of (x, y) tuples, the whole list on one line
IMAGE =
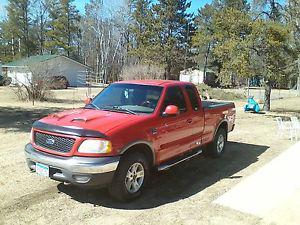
[(127, 130)]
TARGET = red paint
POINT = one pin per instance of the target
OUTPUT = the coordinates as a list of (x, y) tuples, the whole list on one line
[(173, 135)]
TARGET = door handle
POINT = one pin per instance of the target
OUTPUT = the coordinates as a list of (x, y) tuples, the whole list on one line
[(189, 121)]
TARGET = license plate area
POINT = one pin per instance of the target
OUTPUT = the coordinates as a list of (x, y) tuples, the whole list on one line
[(42, 169)]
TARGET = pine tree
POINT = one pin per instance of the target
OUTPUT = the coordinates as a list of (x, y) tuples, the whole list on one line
[(174, 23), (247, 45), (63, 31), (19, 26), (5, 44), (145, 39), (241, 5)]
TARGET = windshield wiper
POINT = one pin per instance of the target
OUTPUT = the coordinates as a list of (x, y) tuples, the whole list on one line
[(93, 105), (118, 109), (124, 109)]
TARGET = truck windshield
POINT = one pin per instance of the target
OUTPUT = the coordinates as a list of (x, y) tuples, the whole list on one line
[(127, 98)]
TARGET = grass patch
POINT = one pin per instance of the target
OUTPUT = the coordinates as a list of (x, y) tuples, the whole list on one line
[(217, 93)]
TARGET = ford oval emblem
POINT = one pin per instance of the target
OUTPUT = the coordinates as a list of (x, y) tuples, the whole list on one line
[(50, 141)]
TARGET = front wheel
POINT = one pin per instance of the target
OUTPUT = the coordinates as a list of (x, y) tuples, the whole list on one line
[(130, 177), (217, 147)]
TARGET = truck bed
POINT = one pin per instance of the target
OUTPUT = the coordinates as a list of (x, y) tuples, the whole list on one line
[(216, 104)]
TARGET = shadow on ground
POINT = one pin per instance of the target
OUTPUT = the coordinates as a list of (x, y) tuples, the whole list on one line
[(180, 182), (66, 101), (17, 119), (292, 112)]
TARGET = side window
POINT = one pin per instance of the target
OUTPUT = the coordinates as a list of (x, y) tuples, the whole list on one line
[(174, 96), (193, 97)]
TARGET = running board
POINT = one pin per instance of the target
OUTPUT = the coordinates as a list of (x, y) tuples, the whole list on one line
[(169, 164)]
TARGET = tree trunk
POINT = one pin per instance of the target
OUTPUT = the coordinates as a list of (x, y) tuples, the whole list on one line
[(168, 72), (206, 62), (267, 102)]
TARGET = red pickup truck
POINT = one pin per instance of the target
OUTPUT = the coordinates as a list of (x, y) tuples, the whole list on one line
[(128, 129)]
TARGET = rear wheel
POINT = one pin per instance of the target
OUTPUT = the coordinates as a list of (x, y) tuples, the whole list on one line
[(130, 177), (217, 147)]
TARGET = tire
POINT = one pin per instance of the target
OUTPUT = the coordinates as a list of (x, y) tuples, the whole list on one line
[(217, 147), (124, 185)]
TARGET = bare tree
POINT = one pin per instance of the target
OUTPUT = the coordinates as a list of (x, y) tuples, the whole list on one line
[(104, 39), (41, 17), (36, 83), (141, 72)]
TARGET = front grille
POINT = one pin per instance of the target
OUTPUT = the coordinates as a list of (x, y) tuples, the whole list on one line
[(52, 142)]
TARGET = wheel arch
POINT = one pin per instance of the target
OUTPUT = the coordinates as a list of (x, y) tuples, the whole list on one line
[(223, 124), (140, 146)]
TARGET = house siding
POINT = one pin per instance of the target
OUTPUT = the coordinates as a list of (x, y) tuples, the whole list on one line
[(59, 66)]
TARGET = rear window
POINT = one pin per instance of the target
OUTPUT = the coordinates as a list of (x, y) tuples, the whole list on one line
[(193, 97)]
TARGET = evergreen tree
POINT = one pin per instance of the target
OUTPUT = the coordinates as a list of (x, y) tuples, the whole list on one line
[(174, 25), (245, 45), (19, 27), (63, 31), (144, 44), (5, 44), (204, 40), (241, 5)]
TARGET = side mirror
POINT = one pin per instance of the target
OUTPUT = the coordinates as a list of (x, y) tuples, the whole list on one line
[(87, 101), (171, 110)]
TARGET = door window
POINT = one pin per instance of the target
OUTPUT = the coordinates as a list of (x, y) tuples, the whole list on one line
[(174, 96)]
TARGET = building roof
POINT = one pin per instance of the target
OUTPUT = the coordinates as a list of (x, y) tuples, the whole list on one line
[(35, 59), (30, 60)]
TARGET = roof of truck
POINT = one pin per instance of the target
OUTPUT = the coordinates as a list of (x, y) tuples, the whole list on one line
[(154, 82)]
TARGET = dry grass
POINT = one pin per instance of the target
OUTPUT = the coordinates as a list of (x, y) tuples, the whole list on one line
[(182, 195), (220, 94)]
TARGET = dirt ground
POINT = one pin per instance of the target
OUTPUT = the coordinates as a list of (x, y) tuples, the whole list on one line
[(181, 195)]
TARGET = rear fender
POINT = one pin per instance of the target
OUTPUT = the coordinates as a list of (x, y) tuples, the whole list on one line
[(224, 121)]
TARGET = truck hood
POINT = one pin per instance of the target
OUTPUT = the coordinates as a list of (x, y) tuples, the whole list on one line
[(102, 121)]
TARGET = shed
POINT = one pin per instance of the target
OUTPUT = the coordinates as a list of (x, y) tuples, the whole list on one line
[(22, 70), (197, 76)]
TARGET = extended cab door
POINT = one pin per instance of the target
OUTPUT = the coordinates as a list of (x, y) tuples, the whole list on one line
[(174, 133), (196, 117)]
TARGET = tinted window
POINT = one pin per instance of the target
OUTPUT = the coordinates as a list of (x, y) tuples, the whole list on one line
[(174, 96), (193, 97)]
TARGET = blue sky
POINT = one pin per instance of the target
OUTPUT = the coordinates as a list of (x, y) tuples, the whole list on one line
[(196, 4)]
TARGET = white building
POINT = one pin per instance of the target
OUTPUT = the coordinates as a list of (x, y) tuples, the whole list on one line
[(197, 77), (49, 65), (194, 76)]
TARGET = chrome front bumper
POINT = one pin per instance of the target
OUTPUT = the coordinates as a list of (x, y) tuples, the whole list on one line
[(97, 170)]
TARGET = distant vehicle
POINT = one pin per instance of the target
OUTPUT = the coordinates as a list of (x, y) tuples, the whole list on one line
[(127, 130), (58, 82), (5, 81)]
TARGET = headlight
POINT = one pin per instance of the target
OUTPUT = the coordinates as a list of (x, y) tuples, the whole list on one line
[(95, 146)]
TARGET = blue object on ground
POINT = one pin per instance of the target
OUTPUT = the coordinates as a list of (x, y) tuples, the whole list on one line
[(252, 105)]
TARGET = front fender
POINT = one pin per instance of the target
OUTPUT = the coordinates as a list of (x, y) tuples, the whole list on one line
[(138, 142)]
